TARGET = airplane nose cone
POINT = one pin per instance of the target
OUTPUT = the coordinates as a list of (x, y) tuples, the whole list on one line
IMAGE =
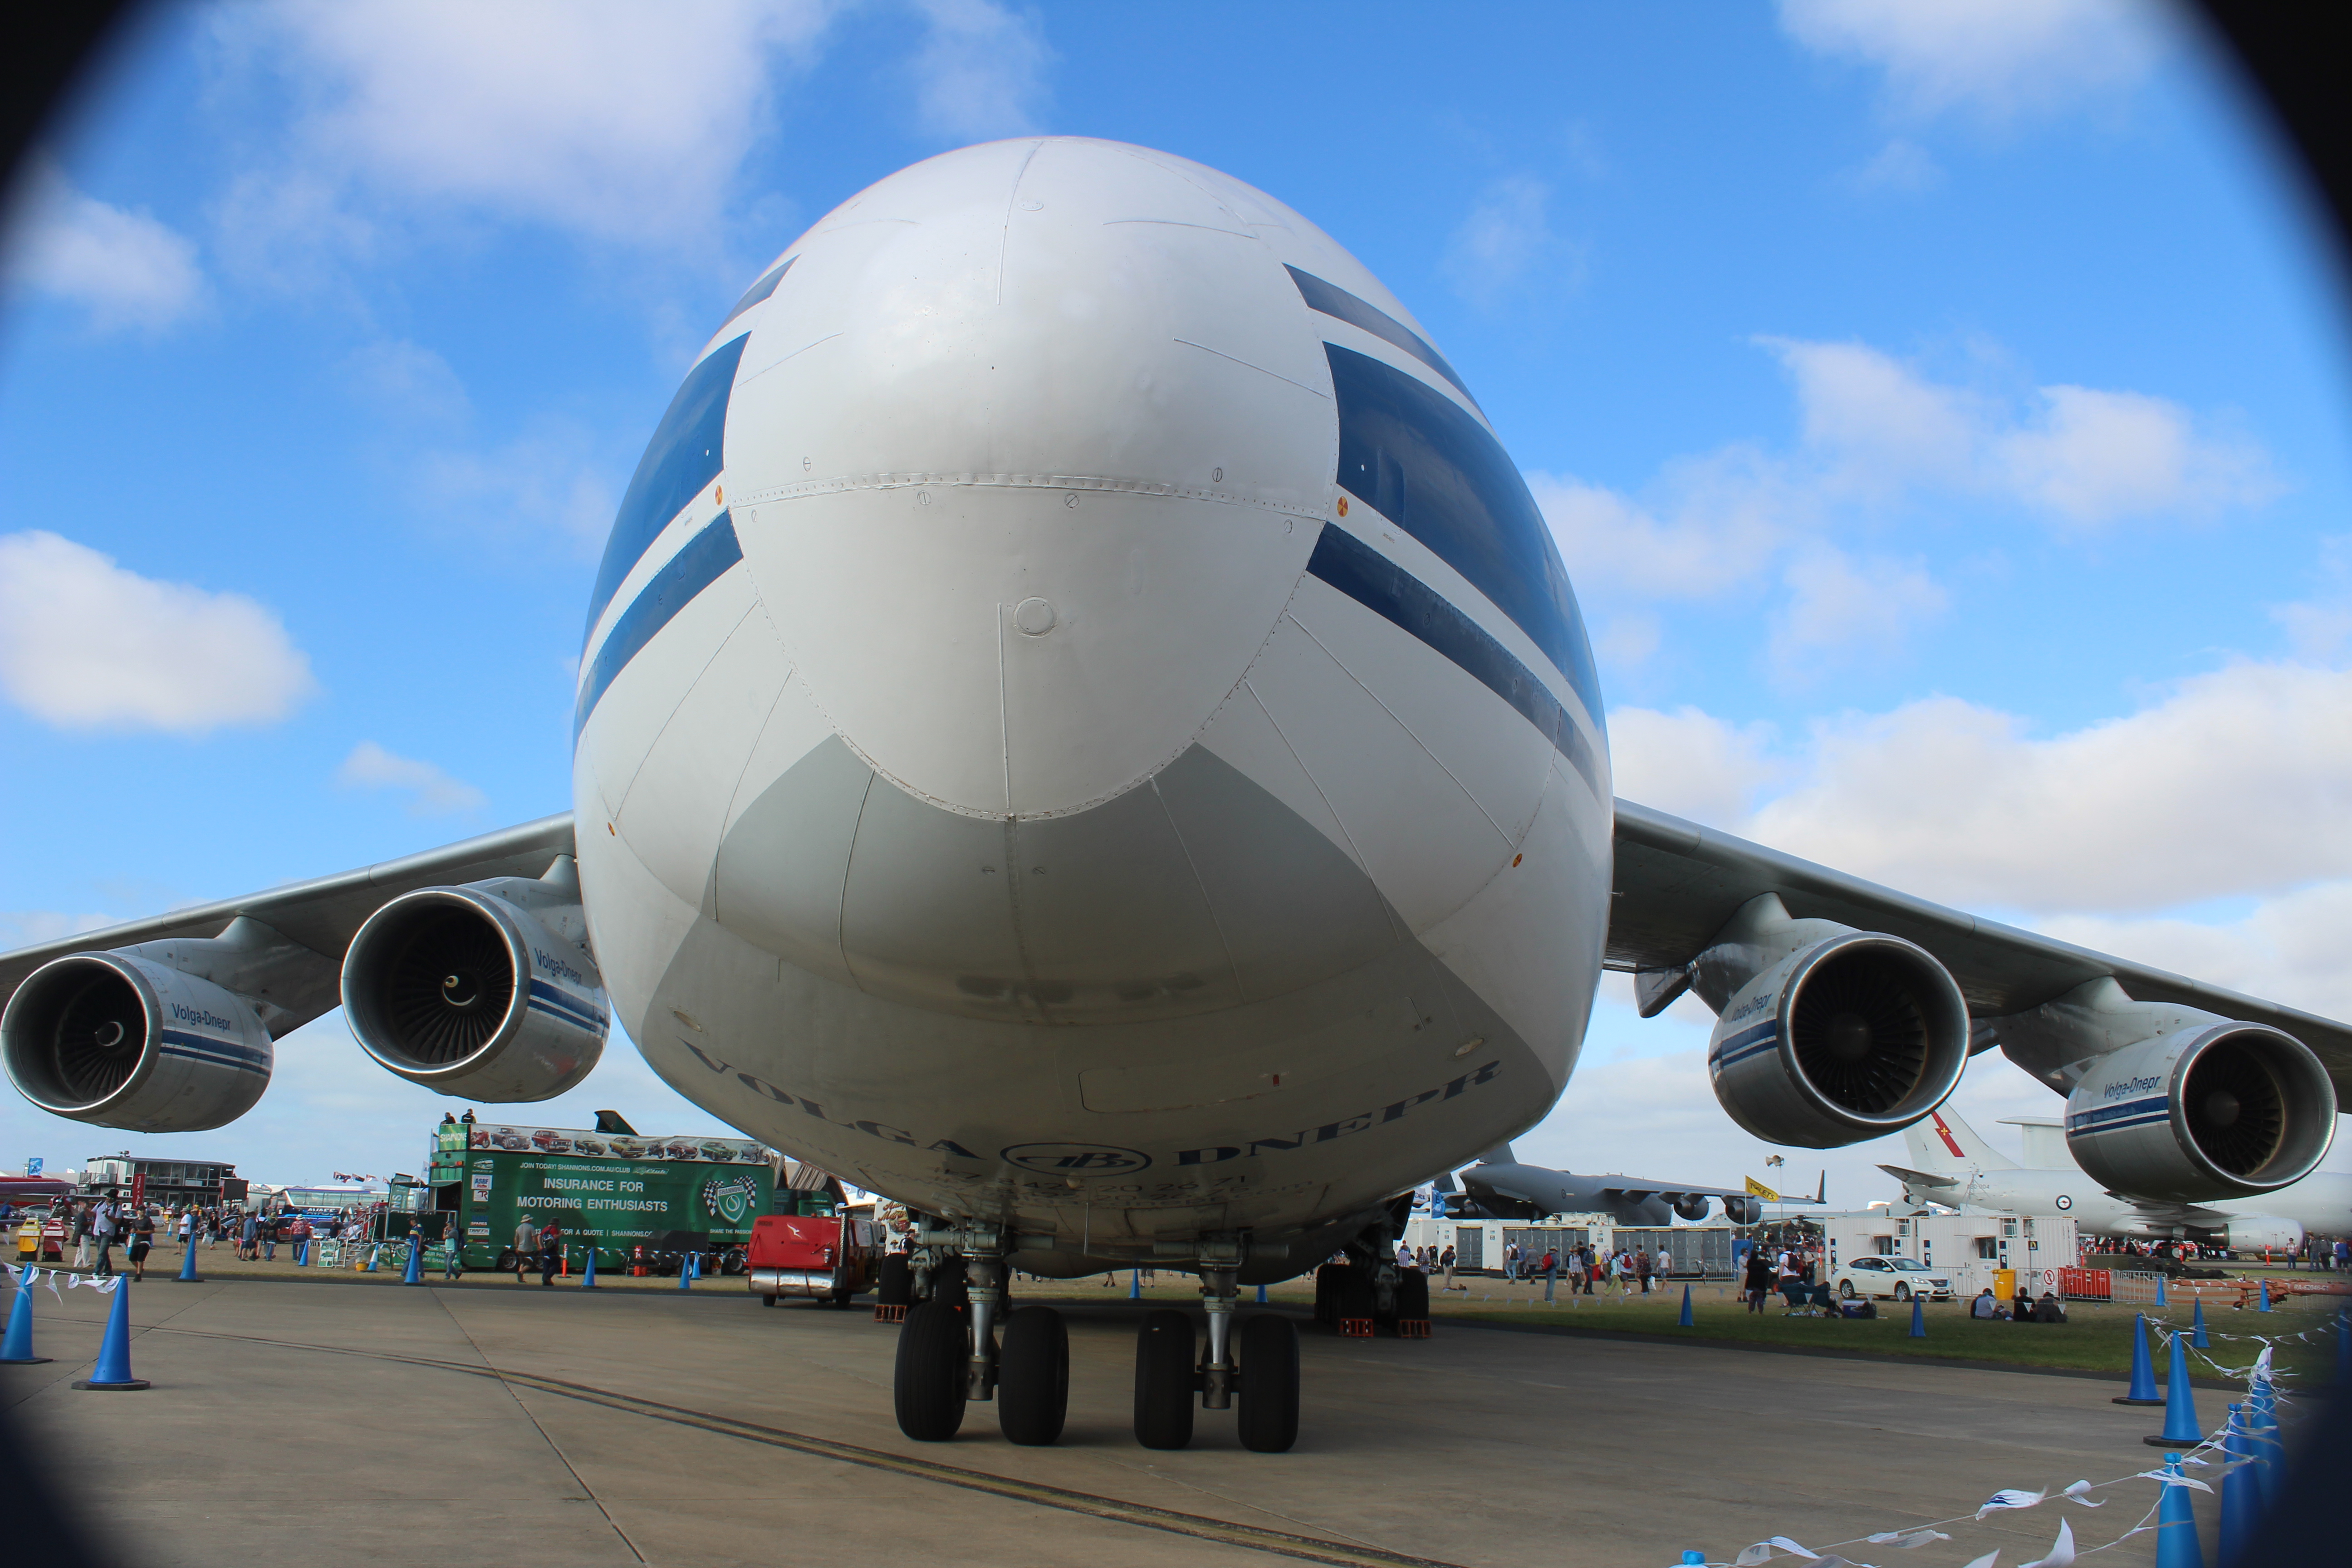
[(1026, 452)]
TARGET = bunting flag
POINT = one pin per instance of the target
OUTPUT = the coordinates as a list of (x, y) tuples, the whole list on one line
[(2062, 1552)]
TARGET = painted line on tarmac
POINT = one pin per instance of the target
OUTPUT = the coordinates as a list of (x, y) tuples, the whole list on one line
[(1306, 1548)]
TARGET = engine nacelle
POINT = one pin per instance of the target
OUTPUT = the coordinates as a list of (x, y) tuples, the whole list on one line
[(1692, 1207), (1853, 1036), (1743, 1210), (472, 994), (123, 1041), (2218, 1111), (2264, 1233)]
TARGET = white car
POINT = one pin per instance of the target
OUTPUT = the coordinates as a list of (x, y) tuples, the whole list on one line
[(1901, 1277)]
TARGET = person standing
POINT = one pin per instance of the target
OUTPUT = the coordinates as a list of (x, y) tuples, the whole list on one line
[(550, 1253), (101, 1230), (526, 1242), (1551, 1270), (142, 1242), (1445, 1261), (1641, 1267), (1510, 1261), (82, 1222), (453, 1251), (1757, 1280)]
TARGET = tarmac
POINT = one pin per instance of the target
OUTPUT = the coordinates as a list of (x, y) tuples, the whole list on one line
[(291, 1422)]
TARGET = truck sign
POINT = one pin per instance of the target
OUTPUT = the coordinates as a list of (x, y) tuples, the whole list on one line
[(665, 1191)]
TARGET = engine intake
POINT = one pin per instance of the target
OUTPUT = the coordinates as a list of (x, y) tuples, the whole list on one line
[(467, 993), (1853, 1036), (122, 1041), (2221, 1110)]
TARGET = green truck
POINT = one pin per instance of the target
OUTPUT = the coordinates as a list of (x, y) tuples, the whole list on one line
[(643, 1202)]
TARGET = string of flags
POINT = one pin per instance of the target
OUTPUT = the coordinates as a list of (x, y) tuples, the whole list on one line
[(28, 1276), (2063, 1550)]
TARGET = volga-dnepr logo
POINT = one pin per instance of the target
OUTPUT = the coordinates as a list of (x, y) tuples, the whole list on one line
[(1076, 1158)]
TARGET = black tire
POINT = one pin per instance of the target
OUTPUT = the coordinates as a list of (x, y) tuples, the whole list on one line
[(1352, 1296), (896, 1288), (1268, 1417), (928, 1384), (768, 1300), (949, 1284), (1032, 1377), (1902, 1292), (505, 1265), (1412, 1296), (1845, 1289), (1326, 1280), (1164, 1354)]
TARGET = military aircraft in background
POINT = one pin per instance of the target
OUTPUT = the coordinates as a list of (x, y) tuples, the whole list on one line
[(1500, 1187)]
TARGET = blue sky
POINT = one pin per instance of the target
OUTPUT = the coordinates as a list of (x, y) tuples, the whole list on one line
[(1941, 409)]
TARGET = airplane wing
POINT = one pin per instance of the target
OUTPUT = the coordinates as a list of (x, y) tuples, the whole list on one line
[(1919, 1178), (1677, 883), (321, 914), (1635, 1188)]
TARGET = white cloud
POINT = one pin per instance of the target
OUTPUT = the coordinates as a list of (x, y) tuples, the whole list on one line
[(85, 643), (616, 120), (1711, 525), (1838, 608), (553, 480), (1689, 763), (1876, 426), (2092, 457), (1901, 165), (2320, 629), (2237, 782), (1507, 239), (127, 268), (2289, 949), (431, 791), (26, 928), (1997, 58), (981, 72), (408, 381)]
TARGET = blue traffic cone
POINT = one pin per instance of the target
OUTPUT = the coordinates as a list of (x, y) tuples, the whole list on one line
[(2241, 1492), (2143, 1371), (2180, 1428), (302, 1253), (2263, 1438), (415, 1273), (2266, 1298), (2176, 1524), (372, 1250), (1685, 1320), (113, 1373), (188, 1264), (2197, 1328), (2160, 1301), (1135, 1285), (588, 1275), (1918, 1318), (686, 1272), (16, 1350)]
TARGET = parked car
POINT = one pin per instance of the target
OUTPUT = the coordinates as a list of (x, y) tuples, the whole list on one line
[(1899, 1277)]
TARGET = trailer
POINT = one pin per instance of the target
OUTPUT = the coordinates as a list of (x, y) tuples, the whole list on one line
[(1975, 1252), (643, 1204)]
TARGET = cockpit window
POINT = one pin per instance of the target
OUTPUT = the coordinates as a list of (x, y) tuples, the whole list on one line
[(1333, 300), (760, 290), (1416, 457), (687, 451)]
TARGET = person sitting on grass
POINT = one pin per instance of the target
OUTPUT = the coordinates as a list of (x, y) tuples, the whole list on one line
[(2021, 1309), (2049, 1310), (1985, 1306)]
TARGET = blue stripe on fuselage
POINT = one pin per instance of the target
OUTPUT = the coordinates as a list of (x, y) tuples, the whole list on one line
[(1382, 586), (699, 563)]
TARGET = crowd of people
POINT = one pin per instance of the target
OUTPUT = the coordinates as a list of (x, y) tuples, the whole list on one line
[(94, 1226)]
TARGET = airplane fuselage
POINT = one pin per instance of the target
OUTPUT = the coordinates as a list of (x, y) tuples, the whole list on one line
[(1083, 728)]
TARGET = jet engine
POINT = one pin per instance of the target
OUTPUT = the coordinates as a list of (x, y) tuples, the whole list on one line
[(123, 1041), (2220, 1109), (2264, 1232), (1743, 1210), (1825, 1035), (1692, 1206), (467, 991)]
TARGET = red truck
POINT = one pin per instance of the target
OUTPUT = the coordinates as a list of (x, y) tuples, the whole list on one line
[(820, 1257)]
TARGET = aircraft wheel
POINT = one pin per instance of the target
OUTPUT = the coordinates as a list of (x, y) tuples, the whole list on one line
[(1269, 1384), (1412, 1297), (768, 1300), (1845, 1289), (1164, 1355), (1902, 1292), (927, 1387), (1032, 1377)]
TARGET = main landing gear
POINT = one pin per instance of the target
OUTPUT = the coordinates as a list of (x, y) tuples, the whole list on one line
[(949, 1353)]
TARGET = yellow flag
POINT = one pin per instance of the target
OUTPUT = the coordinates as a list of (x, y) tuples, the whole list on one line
[(1759, 1190)]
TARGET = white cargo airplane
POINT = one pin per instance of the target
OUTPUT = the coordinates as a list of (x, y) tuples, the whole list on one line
[(1954, 1166), (1083, 731)]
